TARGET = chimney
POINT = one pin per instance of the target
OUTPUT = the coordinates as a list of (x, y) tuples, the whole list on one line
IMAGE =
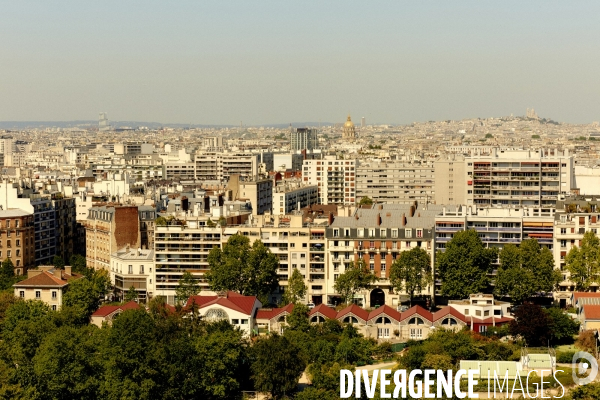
[(381, 206), (412, 211), (356, 216), (57, 273), (68, 269), (33, 272), (330, 218), (378, 219), (403, 219)]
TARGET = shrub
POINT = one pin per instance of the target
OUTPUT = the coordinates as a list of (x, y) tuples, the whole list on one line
[(564, 357)]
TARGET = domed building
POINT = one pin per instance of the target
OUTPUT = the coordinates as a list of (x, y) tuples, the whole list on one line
[(349, 131)]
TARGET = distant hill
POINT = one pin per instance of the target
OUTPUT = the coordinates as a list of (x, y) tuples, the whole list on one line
[(135, 124)]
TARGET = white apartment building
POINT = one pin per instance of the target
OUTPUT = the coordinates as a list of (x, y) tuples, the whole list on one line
[(335, 179), (395, 181), (131, 267), (518, 178), (220, 166), (287, 198)]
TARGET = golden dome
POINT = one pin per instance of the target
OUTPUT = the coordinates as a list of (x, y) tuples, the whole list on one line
[(349, 123)]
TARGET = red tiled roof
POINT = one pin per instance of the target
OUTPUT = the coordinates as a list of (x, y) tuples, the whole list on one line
[(578, 295), (591, 311), (105, 311), (46, 278), (325, 311), (234, 301), (386, 310), (355, 310), (448, 311), (418, 310), (272, 313)]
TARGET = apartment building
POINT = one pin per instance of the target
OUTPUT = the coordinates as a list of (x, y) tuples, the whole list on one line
[(532, 178), (450, 185), (133, 148), (335, 179), (132, 267), (220, 166), (303, 139), (259, 192), (107, 229), (574, 217), (43, 215), (378, 235), (395, 181), (147, 215), (183, 170), (287, 198), (17, 239), (65, 224)]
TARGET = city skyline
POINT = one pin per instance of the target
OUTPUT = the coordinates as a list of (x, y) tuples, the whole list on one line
[(268, 63)]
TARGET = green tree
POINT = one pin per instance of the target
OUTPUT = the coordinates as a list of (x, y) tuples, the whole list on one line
[(210, 223), (187, 287), (583, 262), (66, 365), (222, 222), (411, 272), (7, 274), (464, 267), (277, 366), (248, 270), (83, 295), (296, 288), (79, 265), (354, 279), (58, 262), (131, 295), (562, 326), (161, 221), (298, 318), (365, 201), (525, 270)]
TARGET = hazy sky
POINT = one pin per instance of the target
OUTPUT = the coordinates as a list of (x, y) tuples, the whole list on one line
[(223, 61)]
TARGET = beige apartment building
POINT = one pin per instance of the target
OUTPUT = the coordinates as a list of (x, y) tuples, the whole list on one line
[(449, 178), (107, 229), (335, 179), (46, 284), (395, 181)]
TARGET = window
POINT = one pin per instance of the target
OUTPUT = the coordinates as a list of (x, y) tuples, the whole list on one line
[(383, 333), (360, 232), (408, 233), (394, 233), (54, 294), (18, 253), (416, 321), (372, 233), (130, 270), (419, 233), (449, 321), (383, 267), (372, 267), (466, 311), (407, 244), (482, 329), (38, 294), (8, 253), (18, 242), (8, 223), (563, 231), (141, 269), (486, 313), (382, 233), (563, 243), (372, 245), (235, 321), (244, 322), (54, 307), (416, 333), (22, 294), (346, 232), (336, 233)]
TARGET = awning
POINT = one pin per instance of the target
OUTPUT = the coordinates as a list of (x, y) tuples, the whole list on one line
[(317, 231), (230, 231)]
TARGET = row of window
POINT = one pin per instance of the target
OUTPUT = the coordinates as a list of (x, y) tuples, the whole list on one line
[(382, 232)]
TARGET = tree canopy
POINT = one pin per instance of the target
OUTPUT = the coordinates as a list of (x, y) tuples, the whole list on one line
[(583, 262), (188, 286), (296, 288), (411, 272), (525, 271), (366, 201), (248, 270), (464, 266)]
